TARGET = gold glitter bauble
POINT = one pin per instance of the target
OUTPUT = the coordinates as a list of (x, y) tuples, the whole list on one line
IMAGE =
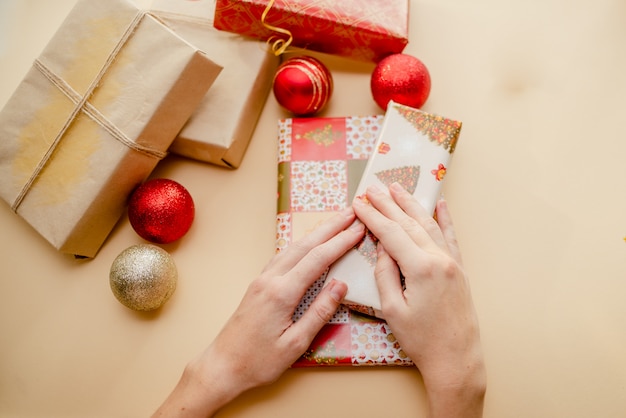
[(143, 277)]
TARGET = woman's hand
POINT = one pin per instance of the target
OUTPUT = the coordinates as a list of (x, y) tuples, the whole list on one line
[(260, 341), (433, 315)]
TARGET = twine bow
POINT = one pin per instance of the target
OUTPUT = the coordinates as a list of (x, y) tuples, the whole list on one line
[(81, 105)]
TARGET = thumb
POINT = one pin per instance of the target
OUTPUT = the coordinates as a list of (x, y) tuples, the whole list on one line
[(387, 276), (322, 309)]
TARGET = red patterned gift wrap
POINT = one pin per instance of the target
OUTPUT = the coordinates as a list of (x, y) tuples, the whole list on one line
[(363, 30), (320, 164)]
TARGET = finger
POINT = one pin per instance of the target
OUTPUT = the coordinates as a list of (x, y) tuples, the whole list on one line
[(400, 246), (388, 282), (386, 205), (317, 315), (447, 228), (311, 266), (415, 210), (284, 261)]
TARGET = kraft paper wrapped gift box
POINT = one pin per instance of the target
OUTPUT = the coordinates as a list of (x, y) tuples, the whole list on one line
[(92, 117), (220, 129), (414, 148), (362, 30)]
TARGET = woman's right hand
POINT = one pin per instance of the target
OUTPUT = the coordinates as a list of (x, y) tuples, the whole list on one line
[(432, 315)]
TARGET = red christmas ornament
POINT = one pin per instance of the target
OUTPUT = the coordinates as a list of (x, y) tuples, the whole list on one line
[(401, 78), (302, 85), (161, 211)]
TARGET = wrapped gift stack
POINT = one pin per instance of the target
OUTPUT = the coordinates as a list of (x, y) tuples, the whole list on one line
[(90, 122), (220, 129)]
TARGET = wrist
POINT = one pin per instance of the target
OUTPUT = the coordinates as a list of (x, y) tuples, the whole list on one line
[(213, 379), (203, 389), (458, 392)]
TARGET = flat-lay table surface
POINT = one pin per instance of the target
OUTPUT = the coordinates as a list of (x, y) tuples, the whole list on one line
[(537, 188)]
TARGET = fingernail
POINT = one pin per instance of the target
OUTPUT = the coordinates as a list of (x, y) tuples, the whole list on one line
[(396, 187), (346, 212), (337, 292), (357, 226), (373, 189), (360, 200)]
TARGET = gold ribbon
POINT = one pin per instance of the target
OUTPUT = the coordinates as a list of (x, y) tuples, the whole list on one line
[(81, 105), (278, 46)]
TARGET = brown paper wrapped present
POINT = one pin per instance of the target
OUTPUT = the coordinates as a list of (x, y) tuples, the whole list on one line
[(92, 118), (220, 129)]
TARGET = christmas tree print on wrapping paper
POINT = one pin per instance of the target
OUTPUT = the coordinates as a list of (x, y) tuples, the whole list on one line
[(367, 248), (327, 354), (444, 132), (407, 177), (322, 136)]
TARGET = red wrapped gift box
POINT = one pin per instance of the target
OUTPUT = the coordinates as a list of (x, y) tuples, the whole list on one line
[(363, 30), (320, 163)]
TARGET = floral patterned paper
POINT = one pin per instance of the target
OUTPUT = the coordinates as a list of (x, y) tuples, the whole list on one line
[(320, 162)]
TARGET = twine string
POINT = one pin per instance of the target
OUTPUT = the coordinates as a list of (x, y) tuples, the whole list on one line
[(81, 105)]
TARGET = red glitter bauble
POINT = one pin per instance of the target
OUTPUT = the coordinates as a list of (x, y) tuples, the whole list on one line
[(161, 211), (401, 78), (302, 85)]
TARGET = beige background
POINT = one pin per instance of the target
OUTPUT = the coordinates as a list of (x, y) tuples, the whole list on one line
[(536, 187)]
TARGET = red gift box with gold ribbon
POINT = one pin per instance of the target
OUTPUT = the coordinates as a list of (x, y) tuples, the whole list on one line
[(362, 30)]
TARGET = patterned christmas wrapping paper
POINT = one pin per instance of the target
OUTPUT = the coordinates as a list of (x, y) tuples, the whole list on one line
[(363, 30), (414, 148), (92, 117), (320, 163), (220, 129)]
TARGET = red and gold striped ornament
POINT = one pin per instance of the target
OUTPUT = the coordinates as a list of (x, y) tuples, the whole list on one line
[(303, 85)]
